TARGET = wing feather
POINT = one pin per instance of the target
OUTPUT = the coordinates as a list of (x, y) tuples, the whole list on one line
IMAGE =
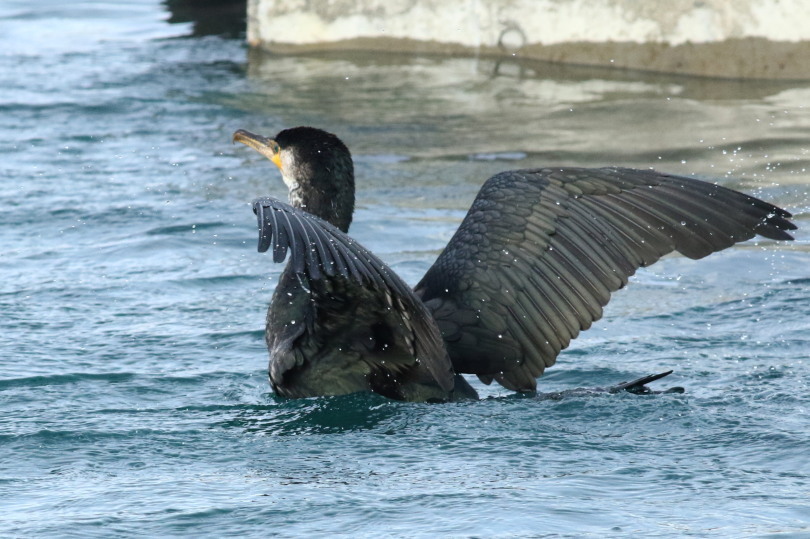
[(540, 252), (319, 251)]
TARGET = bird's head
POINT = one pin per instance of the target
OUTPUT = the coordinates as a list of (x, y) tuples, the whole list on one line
[(316, 167)]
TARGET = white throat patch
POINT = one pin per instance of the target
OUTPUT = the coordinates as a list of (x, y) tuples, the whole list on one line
[(288, 165)]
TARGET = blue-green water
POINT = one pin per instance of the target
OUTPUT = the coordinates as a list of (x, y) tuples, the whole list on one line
[(133, 393)]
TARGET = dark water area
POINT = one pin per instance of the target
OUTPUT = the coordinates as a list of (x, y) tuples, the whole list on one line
[(133, 389)]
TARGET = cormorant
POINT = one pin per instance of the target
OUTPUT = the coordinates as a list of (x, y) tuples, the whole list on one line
[(531, 265)]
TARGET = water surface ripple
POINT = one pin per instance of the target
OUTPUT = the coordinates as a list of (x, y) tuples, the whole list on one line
[(133, 391)]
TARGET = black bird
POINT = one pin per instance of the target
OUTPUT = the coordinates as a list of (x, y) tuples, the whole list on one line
[(531, 265)]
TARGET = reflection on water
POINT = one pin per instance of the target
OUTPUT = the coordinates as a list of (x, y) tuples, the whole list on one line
[(444, 119)]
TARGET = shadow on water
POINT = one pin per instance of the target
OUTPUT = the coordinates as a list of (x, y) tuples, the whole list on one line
[(367, 412), (226, 18), (321, 415)]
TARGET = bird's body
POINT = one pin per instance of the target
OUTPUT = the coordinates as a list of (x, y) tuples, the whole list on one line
[(532, 264), (334, 337)]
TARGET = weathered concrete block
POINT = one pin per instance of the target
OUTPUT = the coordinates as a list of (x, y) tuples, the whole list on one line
[(727, 38)]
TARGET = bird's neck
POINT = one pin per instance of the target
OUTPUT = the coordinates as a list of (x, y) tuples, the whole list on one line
[(334, 208)]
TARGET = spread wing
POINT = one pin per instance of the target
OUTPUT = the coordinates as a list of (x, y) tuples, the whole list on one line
[(318, 248), (540, 251), (356, 285)]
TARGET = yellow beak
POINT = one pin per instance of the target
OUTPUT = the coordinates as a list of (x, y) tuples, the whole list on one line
[(265, 146)]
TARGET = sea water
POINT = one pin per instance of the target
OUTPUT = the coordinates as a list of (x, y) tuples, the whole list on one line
[(133, 390)]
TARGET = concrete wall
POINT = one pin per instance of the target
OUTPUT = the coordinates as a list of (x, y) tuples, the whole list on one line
[(726, 38)]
